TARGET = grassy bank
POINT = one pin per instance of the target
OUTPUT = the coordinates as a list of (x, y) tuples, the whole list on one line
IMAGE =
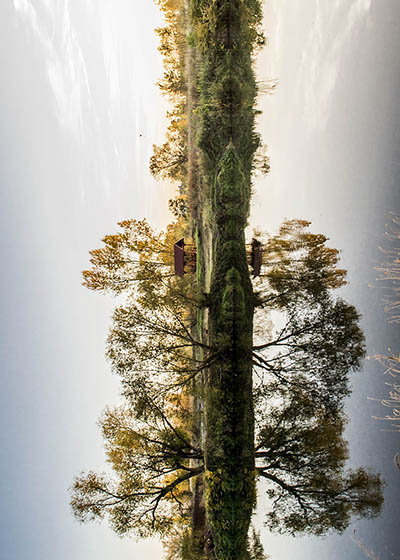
[(225, 33)]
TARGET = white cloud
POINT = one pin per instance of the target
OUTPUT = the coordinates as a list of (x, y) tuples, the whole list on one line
[(111, 56), (25, 8), (64, 61)]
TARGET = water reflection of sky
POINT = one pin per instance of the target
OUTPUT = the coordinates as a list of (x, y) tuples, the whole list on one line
[(333, 131)]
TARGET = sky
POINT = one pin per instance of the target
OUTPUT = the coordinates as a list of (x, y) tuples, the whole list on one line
[(79, 114)]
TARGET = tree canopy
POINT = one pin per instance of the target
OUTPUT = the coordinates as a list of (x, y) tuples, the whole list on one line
[(151, 461), (152, 335), (306, 343)]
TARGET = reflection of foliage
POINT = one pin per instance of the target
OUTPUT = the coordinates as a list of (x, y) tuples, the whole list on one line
[(302, 365), (261, 162), (301, 453), (318, 341), (267, 86), (297, 265), (316, 347)]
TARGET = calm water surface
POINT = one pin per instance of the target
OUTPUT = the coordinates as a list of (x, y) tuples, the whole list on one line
[(333, 131)]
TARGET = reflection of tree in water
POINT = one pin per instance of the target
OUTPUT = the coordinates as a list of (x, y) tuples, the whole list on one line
[(301, 454), (301, 368)]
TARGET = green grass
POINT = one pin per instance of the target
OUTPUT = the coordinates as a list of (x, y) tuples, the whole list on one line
[(224, 33)]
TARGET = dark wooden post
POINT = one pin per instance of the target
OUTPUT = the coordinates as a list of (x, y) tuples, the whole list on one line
[(179, 257)]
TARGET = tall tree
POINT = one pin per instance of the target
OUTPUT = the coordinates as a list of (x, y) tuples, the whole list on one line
[(153, 350), (135, 256), (152, 336), (151, 460), (138, 261)]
